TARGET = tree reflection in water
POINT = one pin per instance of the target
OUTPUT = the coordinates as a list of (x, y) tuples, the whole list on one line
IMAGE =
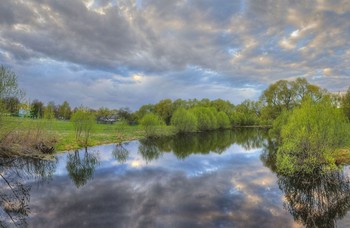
[(81, 169), (149, 149), (268, 155), (316, 200), (120, 153), (183, 145), (16, 175)]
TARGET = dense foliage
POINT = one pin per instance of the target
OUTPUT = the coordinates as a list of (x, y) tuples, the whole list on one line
[(310, 136), (151, 123), (184, 121)]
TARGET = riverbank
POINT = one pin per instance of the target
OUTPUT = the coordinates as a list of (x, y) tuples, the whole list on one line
[(60, 134)]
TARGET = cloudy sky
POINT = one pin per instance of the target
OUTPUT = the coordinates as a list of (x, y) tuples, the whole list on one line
[(118, 53)]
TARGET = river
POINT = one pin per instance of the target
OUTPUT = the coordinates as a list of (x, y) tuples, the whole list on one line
[(217, 179)]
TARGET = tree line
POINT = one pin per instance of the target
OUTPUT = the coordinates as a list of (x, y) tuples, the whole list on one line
[(307, 121)]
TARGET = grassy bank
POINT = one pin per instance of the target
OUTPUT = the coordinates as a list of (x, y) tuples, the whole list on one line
[(63, 135)]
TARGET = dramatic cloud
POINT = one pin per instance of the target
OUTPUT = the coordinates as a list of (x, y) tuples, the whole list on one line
[(127, 53)]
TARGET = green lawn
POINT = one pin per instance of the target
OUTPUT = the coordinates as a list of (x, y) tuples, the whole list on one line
[(64, 135)]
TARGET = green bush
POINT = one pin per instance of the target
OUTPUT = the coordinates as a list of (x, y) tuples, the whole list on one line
[(310, 136), (151, 123), (84, 123), (184, 121)]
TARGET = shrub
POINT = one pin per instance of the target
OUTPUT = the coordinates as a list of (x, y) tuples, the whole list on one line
[(184, 121), (310, 136), (151, 123)]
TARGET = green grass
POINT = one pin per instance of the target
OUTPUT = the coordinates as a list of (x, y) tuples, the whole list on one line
[(64, 134)]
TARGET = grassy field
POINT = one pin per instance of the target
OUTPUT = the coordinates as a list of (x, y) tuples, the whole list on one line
[(63, 133)]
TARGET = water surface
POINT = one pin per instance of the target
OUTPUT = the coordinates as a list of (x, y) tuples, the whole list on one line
[(218, 179)]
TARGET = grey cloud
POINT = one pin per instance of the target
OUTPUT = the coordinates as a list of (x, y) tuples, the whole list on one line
[(241, 41)]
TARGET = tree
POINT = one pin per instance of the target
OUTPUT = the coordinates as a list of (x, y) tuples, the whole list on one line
[(223, 120), (37, 109), (310, 136), (125, 114), (8, 84), (184, 121), (346, 104), (164, 109), (64, 111), (151, 123), (206, 118), (143, 110), (84, 122), (11, 104), (49, 111), (285, 95), (221, 105), (247, 113)]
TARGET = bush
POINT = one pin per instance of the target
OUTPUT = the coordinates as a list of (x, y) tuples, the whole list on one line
[(84, 123), (184, 121), (151, 123), (309, 138)]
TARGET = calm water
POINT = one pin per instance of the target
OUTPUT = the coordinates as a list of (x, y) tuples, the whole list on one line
[(221, 179)]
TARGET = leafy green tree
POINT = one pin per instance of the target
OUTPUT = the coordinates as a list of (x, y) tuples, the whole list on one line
[(103, 112), (37, 109), (8, 87), (143, 110), (278, 124), (180, 103), (247, 113), (8, 84), (49, 111), (126, 114), (184, 121), (206, 118), (310, 136), (221, 105), (151, 123), (223, 120), (84, 122), (346, 104), (164, 109), (285, 95), (64, 111), (11, 104)]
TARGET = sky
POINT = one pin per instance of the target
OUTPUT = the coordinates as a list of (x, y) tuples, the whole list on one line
[(126, 53)]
